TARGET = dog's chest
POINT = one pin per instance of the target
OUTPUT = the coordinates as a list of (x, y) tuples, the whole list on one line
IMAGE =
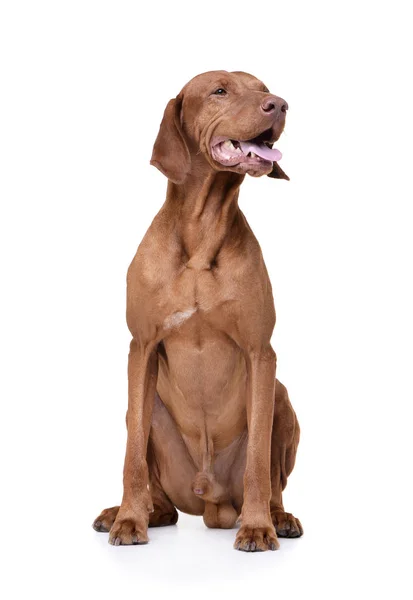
[(170, 293), (196, 295)]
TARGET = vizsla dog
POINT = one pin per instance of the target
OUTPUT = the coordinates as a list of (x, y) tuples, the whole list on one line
[(211, 431)]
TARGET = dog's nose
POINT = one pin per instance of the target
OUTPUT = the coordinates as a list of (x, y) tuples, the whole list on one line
[(271, 103)]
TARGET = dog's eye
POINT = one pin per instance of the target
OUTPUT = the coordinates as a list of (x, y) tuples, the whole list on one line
[(220, 92)]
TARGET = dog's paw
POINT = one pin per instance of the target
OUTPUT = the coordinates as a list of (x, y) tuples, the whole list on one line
[(106, 519), (129, 530), (256, 539), (287, 525)]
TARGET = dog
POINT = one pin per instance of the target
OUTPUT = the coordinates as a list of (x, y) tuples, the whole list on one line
[(211, 431)]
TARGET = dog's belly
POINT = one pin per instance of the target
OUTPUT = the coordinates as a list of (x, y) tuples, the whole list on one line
[(202, 381)]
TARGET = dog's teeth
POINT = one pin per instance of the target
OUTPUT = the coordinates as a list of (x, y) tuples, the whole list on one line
[(228, 144), (253, 155)]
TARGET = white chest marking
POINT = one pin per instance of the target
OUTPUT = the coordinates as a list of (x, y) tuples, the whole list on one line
[(177, 318)]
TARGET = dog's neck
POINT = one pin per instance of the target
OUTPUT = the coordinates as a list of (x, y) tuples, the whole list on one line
[(206, 215)]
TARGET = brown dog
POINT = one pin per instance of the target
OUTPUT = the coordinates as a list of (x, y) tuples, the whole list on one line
[(210, 429)]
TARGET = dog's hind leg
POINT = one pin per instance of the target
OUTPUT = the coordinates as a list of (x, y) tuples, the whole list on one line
[(164, 512), (284, 443), (106, 519)]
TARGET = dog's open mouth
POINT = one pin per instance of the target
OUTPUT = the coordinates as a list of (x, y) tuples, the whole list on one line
[(230, 152)]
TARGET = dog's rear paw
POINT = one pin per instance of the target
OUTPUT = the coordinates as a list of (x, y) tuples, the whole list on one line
[(106, 519), (256, 539), (287, 525), (160, 518)]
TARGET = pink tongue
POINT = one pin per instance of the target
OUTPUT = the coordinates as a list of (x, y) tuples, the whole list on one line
[(261, 150)]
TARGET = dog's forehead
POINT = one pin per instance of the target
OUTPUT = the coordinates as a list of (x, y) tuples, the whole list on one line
[(249, 80), (205, 81)]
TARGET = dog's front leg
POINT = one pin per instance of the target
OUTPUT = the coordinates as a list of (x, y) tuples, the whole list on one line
[(257, 531), (131, 524)]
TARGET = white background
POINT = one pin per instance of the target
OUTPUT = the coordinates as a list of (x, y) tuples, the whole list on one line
[(84, 85)]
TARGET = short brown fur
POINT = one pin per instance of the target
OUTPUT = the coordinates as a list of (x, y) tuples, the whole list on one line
[(210, 429)]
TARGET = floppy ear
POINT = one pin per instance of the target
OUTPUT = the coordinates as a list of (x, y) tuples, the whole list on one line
[(277, 172), (170, 153)]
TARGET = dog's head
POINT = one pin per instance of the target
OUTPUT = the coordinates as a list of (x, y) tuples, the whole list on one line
[(230, 118)]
